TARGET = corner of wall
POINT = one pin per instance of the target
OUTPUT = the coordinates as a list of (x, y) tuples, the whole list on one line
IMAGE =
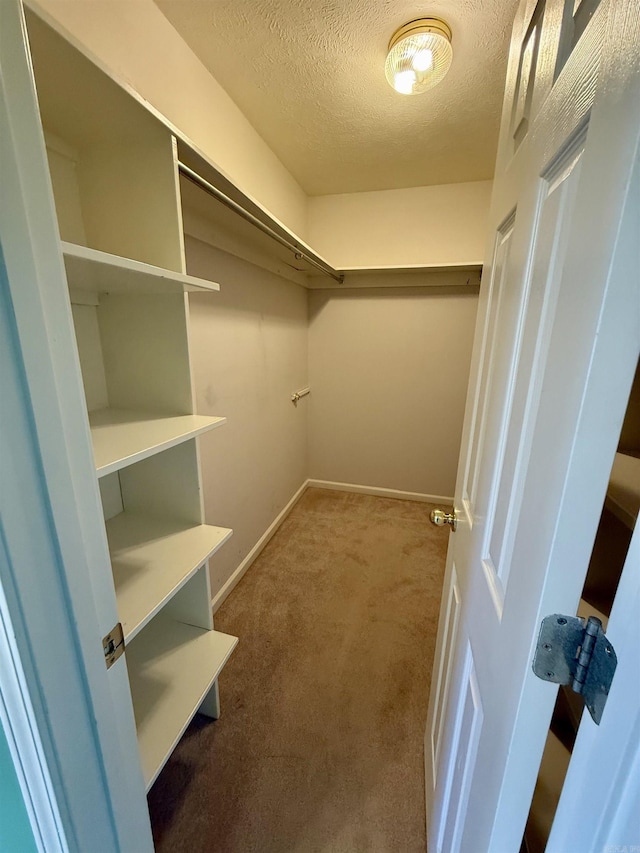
[(438, 225)]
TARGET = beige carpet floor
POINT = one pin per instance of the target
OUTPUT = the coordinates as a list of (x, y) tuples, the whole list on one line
[(319, 748)]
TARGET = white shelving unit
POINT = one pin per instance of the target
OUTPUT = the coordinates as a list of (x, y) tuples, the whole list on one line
[(115, 179), (93, 271), (152, 558), (121, 437), (173, 668)]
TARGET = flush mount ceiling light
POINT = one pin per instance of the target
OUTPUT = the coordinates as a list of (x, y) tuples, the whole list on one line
[(419, 55)]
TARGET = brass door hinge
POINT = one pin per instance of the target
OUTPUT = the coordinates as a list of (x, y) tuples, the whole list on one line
[(113, 645)]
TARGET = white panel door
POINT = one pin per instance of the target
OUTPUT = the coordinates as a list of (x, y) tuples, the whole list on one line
[(70, 721), (556, 346)]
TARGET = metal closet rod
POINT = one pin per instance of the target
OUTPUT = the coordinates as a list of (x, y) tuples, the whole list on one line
[(249, 217)]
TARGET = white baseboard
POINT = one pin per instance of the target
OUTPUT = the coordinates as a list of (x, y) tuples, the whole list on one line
[(379, 492), (235, 578)]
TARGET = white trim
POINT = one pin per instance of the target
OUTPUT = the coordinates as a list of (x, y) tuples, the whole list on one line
[(380, 492), (237, 575), (20, 727)]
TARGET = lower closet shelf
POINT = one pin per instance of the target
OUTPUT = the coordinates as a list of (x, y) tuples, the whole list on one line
[(121, 437), (172, 666), (152, 558)]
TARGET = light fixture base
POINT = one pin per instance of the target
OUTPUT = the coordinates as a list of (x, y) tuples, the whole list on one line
[(421, 25)]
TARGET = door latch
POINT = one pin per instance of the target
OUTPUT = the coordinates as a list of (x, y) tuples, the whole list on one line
[(576, 652), (439, 517)]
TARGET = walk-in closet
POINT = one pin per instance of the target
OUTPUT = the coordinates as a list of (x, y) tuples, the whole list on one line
[(226, 367), (304, 369)]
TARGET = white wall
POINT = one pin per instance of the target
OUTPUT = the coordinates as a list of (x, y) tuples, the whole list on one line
[(249, 353), (134, 40), (389, 370), (439, 225)]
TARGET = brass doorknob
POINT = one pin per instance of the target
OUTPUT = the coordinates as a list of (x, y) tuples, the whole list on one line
[(440, 518)]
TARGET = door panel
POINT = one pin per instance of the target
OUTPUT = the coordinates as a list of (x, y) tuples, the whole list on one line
[(497, 287), (576, 17), (444, 672), (523, 96), (553, 340), (468, 727), (554, 216)]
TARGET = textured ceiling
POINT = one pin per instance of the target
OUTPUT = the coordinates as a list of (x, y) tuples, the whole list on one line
[(309, 76)]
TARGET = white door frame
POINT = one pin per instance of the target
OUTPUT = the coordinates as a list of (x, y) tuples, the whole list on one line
[(602, 815), (17, 714), (64, 711)]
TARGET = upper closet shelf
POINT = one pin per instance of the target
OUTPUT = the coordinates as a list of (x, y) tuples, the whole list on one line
[(121, 437), (92, 271)]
